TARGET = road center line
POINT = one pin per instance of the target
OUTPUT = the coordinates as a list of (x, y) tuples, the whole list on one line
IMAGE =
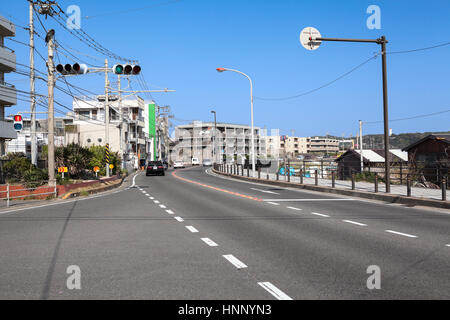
[(209, 242), (274, 203), (402, 234), (294, 208), (320, 214), (162, 206), (277, 293), (179, 219), (169, 211), (192, 229), (156, 201), (356, 223), (234, 261), (265, 191)]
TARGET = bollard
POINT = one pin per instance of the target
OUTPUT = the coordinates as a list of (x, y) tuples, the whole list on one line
[(408, 186), (7, 195), (376, 182), (316, 173), (267, 176), (289, 175), (242, 170), (301, 176), (278, 175), (353, 181), (248, 172), (444, 189), (333, 179)]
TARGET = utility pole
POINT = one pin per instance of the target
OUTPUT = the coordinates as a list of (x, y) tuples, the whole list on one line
[(361, 145), (214, 137), (122, 131), (107, 112), (51, 110), (32, 89)]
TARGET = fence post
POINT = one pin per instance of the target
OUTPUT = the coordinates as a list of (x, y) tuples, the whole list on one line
[(259, 172), (56, 190), (242, 170), (278, 175), (444, 189), (301, 176), (7, 195), (333, 179), (408, 186), (316, 177), (353, 181), (289, 170), (321, 168), (376, 182), (401, 172), (248, 172)]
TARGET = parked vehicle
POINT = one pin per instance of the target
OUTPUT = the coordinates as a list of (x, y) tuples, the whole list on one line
[(178, 165), (258, 164), (195, 162), (207, 163), (155, 168)]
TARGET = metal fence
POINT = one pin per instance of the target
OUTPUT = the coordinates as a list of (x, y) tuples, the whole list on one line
[(9, 193)]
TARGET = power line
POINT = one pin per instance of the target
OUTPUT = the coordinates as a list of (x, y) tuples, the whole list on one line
[(420, 49), (411, 118)]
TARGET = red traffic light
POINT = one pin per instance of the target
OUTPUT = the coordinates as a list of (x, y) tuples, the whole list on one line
[(136, 69), (18, 118)]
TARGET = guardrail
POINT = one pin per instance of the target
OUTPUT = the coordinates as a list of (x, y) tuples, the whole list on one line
[(11, 194)]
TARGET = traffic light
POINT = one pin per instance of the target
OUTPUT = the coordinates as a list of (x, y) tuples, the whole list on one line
[(18, 123), (127, 69), (72, 69)]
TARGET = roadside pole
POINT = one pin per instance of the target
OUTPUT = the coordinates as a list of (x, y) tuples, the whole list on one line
[(107, 112), (51, 111), (32, 89), (361, 145)]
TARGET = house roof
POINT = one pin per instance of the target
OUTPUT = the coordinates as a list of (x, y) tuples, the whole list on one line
[(377, 156), (370, 155), (437, 136)]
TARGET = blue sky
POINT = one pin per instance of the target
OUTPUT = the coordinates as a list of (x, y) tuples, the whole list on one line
[(180, 44)]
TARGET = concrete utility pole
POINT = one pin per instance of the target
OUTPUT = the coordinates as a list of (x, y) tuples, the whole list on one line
[(361, 145), (51, 110), (32, 89), (214, 137), (107, 112), (122, 129)]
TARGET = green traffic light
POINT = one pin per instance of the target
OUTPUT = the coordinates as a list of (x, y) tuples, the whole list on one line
[(119, 69)]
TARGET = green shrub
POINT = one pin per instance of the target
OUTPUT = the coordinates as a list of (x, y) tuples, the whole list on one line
[(35, 177)]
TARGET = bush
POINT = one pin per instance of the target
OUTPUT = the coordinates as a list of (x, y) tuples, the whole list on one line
[(16, 167), (35, 177), (367, 177)]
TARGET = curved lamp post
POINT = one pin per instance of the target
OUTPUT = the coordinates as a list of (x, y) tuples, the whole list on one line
[(251, 105)]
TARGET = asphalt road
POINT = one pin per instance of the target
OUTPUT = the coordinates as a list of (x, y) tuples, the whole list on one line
[(193, 235)]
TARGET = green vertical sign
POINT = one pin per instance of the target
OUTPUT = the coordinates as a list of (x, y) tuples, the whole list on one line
[(152, 126)]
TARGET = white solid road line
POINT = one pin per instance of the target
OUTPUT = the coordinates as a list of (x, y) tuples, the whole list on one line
[(209, 242), (265, 191), (192, 229), (170, 212), (356, 223), (274, 203), (162, 206), (306, 200), (234, 261), (320, 214), (294, 208), (402, 234), (179, 219), (277, 293)]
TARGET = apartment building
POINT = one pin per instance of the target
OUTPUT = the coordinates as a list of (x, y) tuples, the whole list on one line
[(324, 145), (228, 143), (8, 94), (280, 146), (128, 134)]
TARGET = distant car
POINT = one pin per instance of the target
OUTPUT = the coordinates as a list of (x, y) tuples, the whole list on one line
[(207, 163), (155, 168), (178, 165), (166, 165), (195, 162)]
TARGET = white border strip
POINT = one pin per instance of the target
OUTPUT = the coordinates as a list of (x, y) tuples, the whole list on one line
[(402, 234), (234, 261), (179, 219), (356, 223), (277, 293), (209, 242), (192, 229)]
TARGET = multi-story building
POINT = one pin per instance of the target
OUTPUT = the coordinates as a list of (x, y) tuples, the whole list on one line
[(8, 94), (324, 145), (290, 147), (228, 143), (23, 142), (128, 134)]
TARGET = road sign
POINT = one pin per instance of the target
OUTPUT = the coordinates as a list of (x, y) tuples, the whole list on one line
[(63, 170), (96, 169), (307, 37), (111, 166)]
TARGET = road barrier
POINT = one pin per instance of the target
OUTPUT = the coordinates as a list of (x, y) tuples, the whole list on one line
[(12, 193)]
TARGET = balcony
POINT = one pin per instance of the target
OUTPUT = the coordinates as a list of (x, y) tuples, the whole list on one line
[(7, 28), (8, 95), (7, 59), (7, 131)]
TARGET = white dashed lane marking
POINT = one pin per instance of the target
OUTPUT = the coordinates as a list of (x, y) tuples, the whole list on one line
[(320, 214), (156, 201), (402, 234), (169, 211), (234, 261), (275, 204), (179, 219), (265, 191), (296, 209), (162, 206), (277, 293), (355, 223), (209, 242), (192, 229)]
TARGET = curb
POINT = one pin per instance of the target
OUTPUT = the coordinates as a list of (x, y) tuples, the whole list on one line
[(77, 194), (360, 194)]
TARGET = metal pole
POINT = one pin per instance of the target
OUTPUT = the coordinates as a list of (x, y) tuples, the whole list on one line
[(32, 90), (253, 129), (361, 145), (107, 112), (51, 112), (122, 131), (386, 116), (7, 195), (444, 189)]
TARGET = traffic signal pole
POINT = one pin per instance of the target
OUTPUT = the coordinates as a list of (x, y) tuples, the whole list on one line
[(51, 110), (381, 41), (107, 113)]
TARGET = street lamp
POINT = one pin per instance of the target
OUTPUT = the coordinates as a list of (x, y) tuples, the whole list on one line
[(251, 104), (214, 137)]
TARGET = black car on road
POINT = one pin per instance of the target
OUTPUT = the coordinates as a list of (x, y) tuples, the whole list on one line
[(155, 168)]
